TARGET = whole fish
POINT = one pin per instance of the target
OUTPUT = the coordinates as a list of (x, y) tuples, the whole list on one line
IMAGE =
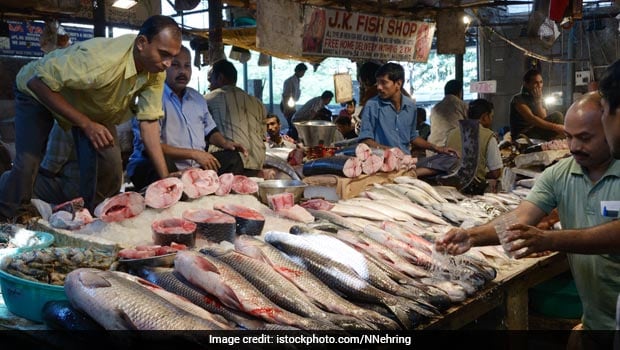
[(414, 194), (380, 251), (421, 184), (345, 279), (367, 269), (117, 303), (272, 285), (358, 211), (335, 219), (233, 290), (219, 322), (413, 209), (175, 283), (393, 213), (386, 191), (320, 293)]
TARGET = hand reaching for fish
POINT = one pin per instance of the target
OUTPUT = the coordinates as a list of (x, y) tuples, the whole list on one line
[(455, 242)]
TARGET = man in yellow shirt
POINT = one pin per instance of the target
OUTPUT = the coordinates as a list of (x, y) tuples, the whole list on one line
[(90, 86)]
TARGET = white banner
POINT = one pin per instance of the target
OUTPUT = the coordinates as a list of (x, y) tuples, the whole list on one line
[(339, 33)]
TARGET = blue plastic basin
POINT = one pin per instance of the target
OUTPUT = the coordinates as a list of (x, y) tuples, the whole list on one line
[(26, 298)]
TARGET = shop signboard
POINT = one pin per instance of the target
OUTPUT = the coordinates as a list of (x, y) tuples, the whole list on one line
[(340, 33), (24, 37)]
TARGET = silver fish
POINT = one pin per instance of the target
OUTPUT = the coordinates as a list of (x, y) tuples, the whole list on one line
[(272, 285), (117, 303), (345, 279), (173, 282), (233, 290), (307, 282)]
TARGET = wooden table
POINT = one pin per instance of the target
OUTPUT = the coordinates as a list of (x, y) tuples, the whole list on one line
[(508, 291)]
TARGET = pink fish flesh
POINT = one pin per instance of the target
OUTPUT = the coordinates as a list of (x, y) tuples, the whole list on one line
[(198, 182), (244, 185), (120, 207), (164, 193), (212, 225), (226, 182)]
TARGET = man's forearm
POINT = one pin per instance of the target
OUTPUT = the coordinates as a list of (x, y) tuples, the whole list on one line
[(149, 130), (601, 239)]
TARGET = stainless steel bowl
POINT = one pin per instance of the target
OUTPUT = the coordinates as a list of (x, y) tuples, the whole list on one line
[(271, 187), (316, 132)]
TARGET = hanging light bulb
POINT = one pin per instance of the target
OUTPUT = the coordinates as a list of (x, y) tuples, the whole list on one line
[(291, 102)]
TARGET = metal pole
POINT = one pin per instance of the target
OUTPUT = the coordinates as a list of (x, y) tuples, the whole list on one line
[(270, 85), (99, 18), (458, 67), (569, 87)]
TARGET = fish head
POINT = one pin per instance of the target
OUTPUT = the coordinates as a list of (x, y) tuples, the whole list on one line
[(217, 249), (249, 246)]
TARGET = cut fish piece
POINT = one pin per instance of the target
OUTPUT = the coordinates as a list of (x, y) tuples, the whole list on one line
[(248, 221), (198, 182), (212, 225), (163, 193), (120, 207)]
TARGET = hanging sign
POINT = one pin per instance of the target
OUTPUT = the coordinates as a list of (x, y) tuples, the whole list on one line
[(24, 38), (483, 87), (339, 33)]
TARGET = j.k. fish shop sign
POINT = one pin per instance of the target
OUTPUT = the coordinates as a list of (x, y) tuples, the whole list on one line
[(338, 33)]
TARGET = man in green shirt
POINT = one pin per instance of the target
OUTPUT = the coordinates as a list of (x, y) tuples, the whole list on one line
[(578, 186), (90, 86)]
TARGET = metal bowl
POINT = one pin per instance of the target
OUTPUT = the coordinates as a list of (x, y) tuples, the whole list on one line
[(271, 187), (316, 132)]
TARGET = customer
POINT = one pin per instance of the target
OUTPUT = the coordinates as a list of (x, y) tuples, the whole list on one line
[(345, 127), (238, 116), (446, 114), (309, 111), (349, 109), (389, 119), (423, 128), (489, 164), (275, 138), (576, 186), (186, 128), (528, 115), (291, 91), (97, 93)]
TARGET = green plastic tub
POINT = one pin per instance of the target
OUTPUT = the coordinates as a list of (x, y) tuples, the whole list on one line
[(557, 298), (26, 298)]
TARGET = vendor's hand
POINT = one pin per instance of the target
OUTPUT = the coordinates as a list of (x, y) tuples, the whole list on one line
[(99, 135), (234, 146), (524, 236), (446, 150), (456, 241), (559, 128), (206, 160)]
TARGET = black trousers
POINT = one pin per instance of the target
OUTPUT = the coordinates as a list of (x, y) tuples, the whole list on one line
[(145, 173)]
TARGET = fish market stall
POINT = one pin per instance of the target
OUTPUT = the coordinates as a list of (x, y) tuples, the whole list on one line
[(395, 221)]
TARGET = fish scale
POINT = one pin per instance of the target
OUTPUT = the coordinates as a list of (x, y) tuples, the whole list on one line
[(120, 304), (233, 290), (271, 284), (307, 282), (345, 279)]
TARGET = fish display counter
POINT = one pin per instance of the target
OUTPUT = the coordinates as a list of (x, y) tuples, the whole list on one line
[(381, 238)]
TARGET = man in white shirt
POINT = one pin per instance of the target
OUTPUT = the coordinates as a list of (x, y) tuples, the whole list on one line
[(446, 114)]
